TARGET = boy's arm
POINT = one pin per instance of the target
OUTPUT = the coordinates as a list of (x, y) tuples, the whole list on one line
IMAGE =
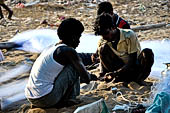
[(131, 61), (74, 59)]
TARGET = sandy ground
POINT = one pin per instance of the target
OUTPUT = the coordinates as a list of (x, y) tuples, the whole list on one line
[(136, 12)]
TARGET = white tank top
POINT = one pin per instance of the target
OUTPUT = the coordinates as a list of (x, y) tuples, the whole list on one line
[(43, 74)]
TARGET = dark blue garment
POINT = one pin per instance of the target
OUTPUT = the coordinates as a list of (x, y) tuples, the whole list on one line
[(86, 58)]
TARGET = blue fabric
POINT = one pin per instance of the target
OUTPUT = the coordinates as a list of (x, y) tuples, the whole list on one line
[(86, 58), (161, 104)]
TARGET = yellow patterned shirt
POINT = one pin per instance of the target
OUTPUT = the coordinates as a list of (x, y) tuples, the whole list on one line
[(127, 44)]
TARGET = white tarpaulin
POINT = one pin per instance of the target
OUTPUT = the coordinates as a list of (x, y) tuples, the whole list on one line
[(37, 40), (95, 107), (11, 87)]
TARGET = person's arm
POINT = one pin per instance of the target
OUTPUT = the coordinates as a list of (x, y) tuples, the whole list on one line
[(131, 62), (78, 64), (70, 56), (95, 57)]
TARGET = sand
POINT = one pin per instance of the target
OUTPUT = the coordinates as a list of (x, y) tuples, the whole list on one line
[(136, 12)]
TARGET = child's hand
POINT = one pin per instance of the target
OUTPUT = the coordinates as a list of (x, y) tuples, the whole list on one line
[(108, 77)]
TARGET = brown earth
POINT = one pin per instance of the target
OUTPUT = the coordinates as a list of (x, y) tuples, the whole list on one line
[(136, 12)]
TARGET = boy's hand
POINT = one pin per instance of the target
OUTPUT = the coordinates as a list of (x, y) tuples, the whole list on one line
[(94, 58), (108, 77)]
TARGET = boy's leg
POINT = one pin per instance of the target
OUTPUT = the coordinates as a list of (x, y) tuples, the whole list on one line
[(145, 60), (8, 9), (86, 58), (66, 86), (103, 70), (109, 60), (1, 14)]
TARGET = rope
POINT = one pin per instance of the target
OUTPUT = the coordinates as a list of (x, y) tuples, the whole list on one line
[(93, 83), (131, 105)]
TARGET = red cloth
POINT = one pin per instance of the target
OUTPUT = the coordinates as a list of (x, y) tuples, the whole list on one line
[(20, 5), (122, 23)]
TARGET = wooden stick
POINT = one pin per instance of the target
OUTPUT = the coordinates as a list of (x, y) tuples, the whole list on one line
[(150, 26)]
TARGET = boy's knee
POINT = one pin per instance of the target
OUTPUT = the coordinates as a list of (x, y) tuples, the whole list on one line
[(148, 54), (147, 57), (147, 51)]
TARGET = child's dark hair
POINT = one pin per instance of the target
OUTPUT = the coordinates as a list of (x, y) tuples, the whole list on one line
[(69, 28), (103, 22), (105, 7)]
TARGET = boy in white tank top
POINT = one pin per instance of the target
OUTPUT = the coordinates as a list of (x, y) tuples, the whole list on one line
[(56, 74)]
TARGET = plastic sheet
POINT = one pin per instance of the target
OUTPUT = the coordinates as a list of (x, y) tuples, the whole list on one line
[(12, 73), (37, 40), (160, 94), (161, 104), (162, 86), (12, 85), (95, 107), (9, 96)]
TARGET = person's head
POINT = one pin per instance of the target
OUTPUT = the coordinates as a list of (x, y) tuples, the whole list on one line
[(104, 26), (70, 31), (105, 7)]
